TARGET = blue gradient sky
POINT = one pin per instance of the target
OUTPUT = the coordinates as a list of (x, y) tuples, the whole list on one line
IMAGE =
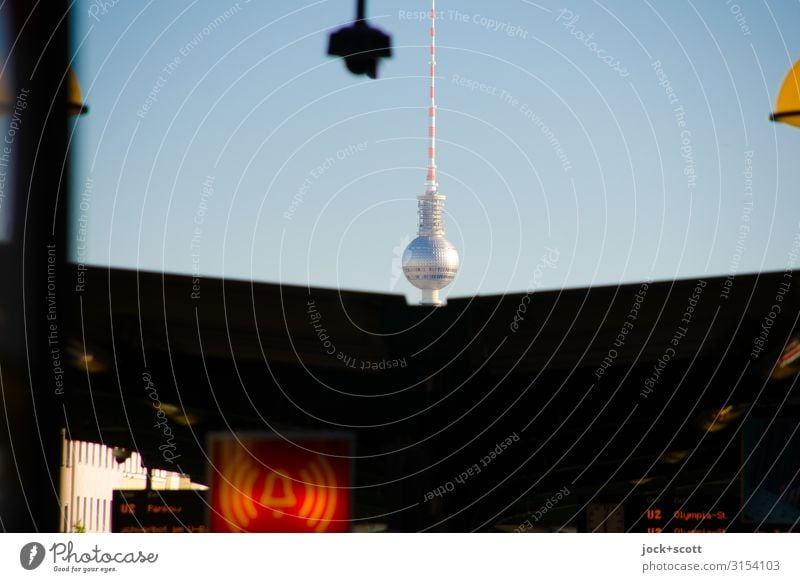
[(225, 173)]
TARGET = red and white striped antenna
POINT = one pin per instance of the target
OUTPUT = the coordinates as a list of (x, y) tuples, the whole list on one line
[(430, 184), (430, 262)]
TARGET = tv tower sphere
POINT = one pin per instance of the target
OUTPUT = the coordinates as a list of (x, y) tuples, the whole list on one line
[(430, 262)]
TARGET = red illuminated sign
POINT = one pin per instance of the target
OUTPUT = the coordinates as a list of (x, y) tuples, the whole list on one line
[(677, 515), (268, 484)]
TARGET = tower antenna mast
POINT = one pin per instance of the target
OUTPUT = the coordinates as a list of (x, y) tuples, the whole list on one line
[(430, 262), (431, 185)]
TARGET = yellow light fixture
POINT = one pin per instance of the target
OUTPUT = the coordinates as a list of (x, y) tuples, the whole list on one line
[(180, 415), (75, 104), (717, 419), (787, 108), (788, 363), (88, 360), (91, 363), (674, 457)]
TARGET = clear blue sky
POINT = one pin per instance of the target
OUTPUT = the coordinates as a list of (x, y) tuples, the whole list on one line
[(206, 144)]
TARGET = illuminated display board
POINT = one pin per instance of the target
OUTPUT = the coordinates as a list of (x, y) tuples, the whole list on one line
[(263, 483), (158, 511), (677, 515)]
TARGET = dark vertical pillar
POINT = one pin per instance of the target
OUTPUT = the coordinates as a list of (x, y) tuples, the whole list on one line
[(33, 263)]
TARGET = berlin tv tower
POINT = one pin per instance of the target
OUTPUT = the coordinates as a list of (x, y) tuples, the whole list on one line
[(430, 262)]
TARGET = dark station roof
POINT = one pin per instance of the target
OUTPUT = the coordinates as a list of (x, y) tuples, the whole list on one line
[(601, 384)]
